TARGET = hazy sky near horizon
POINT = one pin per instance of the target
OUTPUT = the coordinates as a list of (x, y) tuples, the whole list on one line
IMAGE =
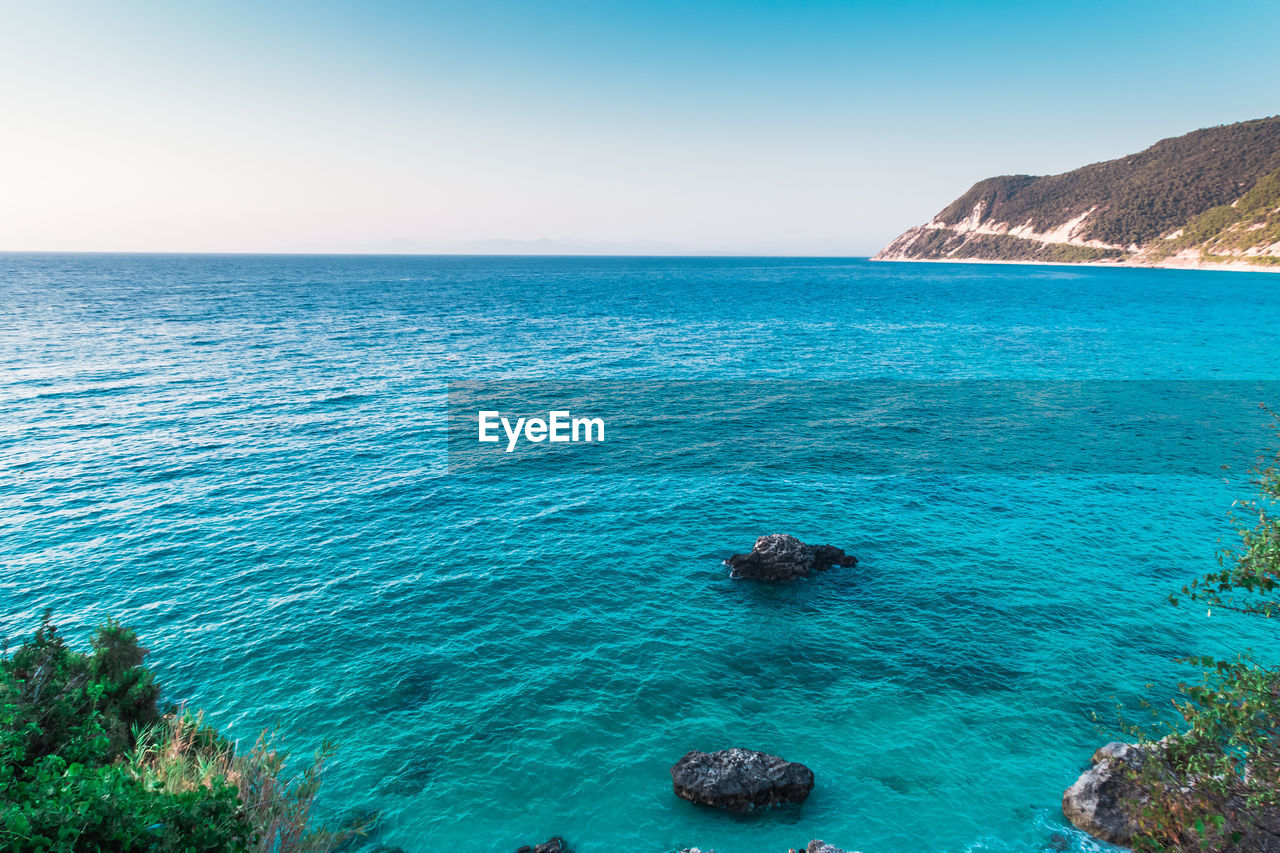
[(749, 127)]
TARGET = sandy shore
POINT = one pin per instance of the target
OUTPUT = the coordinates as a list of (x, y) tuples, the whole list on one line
[(1234, 266)]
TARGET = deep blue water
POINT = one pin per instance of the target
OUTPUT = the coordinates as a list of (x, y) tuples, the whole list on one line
[(246, 458)]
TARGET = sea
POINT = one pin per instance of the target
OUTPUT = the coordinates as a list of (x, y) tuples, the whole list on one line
[(270, 467)]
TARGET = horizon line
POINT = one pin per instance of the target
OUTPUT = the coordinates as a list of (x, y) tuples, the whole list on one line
[(363, 254)]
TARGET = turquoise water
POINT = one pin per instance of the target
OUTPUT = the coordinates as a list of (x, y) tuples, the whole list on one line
[(247, 459)]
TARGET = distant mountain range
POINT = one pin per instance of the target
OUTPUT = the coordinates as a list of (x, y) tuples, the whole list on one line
[(1209, 199)]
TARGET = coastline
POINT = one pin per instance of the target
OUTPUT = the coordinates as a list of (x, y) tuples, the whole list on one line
[(1234, 266)]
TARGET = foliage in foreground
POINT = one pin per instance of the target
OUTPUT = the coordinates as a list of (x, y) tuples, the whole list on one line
[(1214, 783), (88, 763)]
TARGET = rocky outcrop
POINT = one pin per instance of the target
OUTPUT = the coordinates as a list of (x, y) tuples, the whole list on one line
[(1106, 798), (1103, 800), (781, 557), (740, 780), (554, 845)]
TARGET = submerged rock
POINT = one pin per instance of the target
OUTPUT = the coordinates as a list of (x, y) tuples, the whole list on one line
[(554, 845), (780, 556), (1103, 799), (740, 779)]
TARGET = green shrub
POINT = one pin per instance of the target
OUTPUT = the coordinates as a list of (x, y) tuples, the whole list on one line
[(57, 806), (1215, 778), (182, 755), (80, 706), (87, 763)]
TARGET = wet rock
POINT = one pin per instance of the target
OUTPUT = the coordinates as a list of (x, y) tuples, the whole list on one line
[(780, 556), (1103, 800), (553, 845), (740, 779)]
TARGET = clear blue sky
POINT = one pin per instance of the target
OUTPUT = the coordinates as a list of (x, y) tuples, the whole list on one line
[(701, 126)]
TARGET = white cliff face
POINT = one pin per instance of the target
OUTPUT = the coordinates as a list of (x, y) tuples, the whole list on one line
[(900, 248), (1068, 233), (970, 223), (980, 237)]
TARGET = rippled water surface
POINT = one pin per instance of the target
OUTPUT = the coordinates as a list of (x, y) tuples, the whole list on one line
[(246, 458)]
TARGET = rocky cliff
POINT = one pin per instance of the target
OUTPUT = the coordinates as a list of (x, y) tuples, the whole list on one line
[(1209, 198)]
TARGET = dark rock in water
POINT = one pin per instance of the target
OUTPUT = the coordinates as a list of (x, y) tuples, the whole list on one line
[(780, 557), (740, 779), (1103, 800), (554, 845)]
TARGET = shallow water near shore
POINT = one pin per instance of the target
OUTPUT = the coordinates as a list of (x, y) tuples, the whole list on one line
[(247, 459)]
